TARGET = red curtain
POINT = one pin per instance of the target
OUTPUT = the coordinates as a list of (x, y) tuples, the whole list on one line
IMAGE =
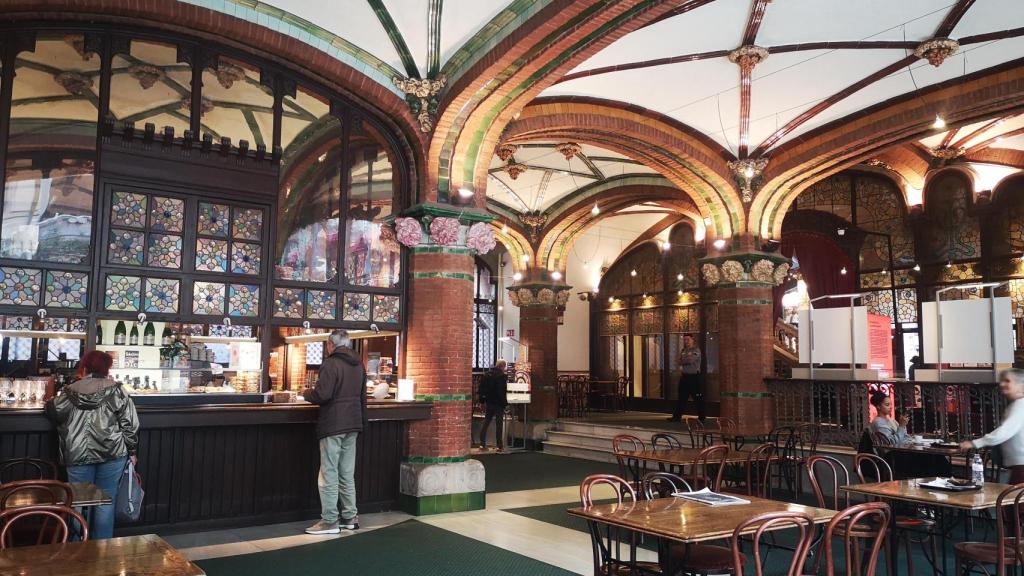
[(821, 264)]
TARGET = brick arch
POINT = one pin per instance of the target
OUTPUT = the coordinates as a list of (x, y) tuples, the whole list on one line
[(850, 140), (690, 161), (1011, 184), (514, 240), (907, 163)]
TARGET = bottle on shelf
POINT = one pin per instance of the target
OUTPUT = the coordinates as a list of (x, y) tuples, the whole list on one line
[(149, 335), (99, 333), (120, 333), (133, 338), (166, 338)]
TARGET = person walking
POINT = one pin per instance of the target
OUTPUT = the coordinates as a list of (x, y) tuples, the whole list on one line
[(340, 392), (494, 396), (99, 431), (1010, 433), (690, 385)]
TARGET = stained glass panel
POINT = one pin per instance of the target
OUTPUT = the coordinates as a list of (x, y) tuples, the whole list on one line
[(906, 305), (128, 209), (386, 308), (18, 322), (126, 247), (211, 255), (357, 307), (879, 303), (248, 224), (166, 214), (1016, 290), (162, 295), (77, 324), (322, 304), (958, 272), (213, 219), (245, 258), (243, 300), (67, 289), (953, 232), (123, 293), (288, 302), (19, 285), (164, 251), (208, 298)]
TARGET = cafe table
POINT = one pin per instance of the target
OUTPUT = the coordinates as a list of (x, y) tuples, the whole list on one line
[(948, 452), (83, 495), (681, 457), (147, 554)]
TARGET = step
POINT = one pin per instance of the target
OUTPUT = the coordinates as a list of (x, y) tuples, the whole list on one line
[(581, 440), (612, 430), (557, 448)]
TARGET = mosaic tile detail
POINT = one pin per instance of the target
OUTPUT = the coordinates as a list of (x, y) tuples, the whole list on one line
[(19, 285), (164, 251), (241, 331), (162, 295), (322, 304), (213, 219), (906, 305), (288, 302), (126, 247), (192, 329), (166, 214), (18, 322), (211, 255), (220, 330), (245, 258), (357, 307), (386, 308), (67, 289), (123, 293), (77, 324), (128, 209), (55, 324), (208, 298), (248, 224), (243, 300)]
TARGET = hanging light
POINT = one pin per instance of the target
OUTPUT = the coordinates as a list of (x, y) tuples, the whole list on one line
[(517, 276), (720, 243), (679, 276), (595, 210), (679, 293), (525, 257), (707, 220), (843, 271), (465, 192), (504, 228), (611, 299), (749, 171), (939, 123), (556, 275), (949, 264), (586, 265), (917, 267), (665, 246), (632, 272)]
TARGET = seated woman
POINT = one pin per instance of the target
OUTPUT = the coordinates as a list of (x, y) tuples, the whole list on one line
[(888, 431)]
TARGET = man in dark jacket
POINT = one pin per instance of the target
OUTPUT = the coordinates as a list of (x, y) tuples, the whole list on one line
[(494, 396), (341, 394)]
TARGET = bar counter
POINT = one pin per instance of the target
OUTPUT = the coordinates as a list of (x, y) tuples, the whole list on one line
[(228, 465)]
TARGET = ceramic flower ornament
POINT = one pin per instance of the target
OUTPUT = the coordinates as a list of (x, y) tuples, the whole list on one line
[(444, 231), (480, 238), (409, 231)]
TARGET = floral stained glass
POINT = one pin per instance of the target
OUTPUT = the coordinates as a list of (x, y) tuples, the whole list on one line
[(164, 251), (77, 324), (248, 224), (67, 289), (126, 247), (18, 322), (357, 307), (386, 308), (906, 305), (243, 300), (166, 215), (213, 219), (321, 304), (208, 298), (288, 302), (19, 285), (123, 293), (128, 209), (162, 295), (211, 255), (245, 258)]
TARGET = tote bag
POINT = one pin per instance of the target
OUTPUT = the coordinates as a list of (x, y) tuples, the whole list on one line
[(128, 507)]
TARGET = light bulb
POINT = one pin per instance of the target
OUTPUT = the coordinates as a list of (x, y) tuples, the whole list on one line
[(679, 277), (611, 299), (504, 228), (586, 265), (843, 271), (556, 275), (645, 295), (917, 267), (720, 243), (949, 264), (707, 220), (632, 272), (500, 307), (939, 122), (679, 293), (749, 171), (465, 192), (517, 276), (595, 210), (665, 246), (525, 257)]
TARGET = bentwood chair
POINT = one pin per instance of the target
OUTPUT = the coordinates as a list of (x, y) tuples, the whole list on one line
[(628, 467), (662, 484), (27, 469), (826, 472), (44, 491), (761, 525), (1008, 549), (664, 441), (698, 436), (36, 525), (608, 541), (708, 468), (875, 514), (759, 469)]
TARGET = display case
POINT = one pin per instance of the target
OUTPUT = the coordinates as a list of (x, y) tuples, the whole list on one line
[(299, 352)]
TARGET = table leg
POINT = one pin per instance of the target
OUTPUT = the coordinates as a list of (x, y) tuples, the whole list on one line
[(894, 552)]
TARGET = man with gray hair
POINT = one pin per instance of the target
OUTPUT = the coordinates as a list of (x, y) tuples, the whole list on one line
[(340, 392), (1010, 433)]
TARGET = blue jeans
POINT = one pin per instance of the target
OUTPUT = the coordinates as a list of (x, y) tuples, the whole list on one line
[(106, 475), (338, 476)]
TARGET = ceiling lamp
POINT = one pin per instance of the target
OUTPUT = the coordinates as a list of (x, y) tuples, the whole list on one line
[(595, 210), (917, 267), (720, 243), (632, 272), (843, 271), (525, 257), (465, 192), (611, 299), (679, 276), (665, 246), (949, 264), (556, 275), (939, 123), (517, 277)]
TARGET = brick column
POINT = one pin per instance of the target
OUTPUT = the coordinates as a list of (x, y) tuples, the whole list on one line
[(539, 300), (742, 286)]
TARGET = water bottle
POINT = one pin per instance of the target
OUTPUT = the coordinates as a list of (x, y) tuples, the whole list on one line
[(977, 470)]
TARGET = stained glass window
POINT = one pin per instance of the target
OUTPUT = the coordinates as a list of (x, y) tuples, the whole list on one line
[(67, 289), (128, 209), (1016, 290), (134, 247), (213, 219), (321, 304), (386, 308), (164, 251), (245, 258), (953, 233), (20, 286), (243, 300), (372, 256), (123, 293), (126, 247), (288, 302), (906, 305), (208, 298), (167, 214), (248, 224), (162, 295), (879, 303), (357, 307), (211, 255)]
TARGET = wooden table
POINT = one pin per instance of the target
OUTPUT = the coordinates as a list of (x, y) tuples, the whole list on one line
[(145, 555), (680, 456), (83, 495), (910, 448)]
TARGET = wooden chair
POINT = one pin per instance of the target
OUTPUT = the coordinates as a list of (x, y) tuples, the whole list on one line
[(698, 436), (785, 439), (36, 525), (628, 467), (27, 469), (759, 469), (875, 514), (664, 441), (708, 468), (836, 474), (607, 541), (53, 492), (1008, 549), (760, 525), (662, 484)]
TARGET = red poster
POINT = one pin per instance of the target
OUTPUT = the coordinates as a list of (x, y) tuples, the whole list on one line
[(880, 344)]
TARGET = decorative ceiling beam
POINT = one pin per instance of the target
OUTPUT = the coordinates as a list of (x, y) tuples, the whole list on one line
[(434, 38), (989, 141), (391, 29), (692, 5), (746, 57), (953, 18), (990, 36), (981, 130), (949, 138), (644, 64), (754, 22)]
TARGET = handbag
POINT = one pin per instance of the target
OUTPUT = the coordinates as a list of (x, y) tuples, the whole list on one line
[(128, 507)]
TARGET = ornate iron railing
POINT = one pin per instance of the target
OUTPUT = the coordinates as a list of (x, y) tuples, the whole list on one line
[(954, 411)]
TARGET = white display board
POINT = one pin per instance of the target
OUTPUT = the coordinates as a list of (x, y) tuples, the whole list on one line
[(832, 335), (966, 332)]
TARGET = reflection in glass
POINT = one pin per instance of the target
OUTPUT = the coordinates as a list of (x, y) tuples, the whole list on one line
[(372, 257), (150, 85), (240, 107)]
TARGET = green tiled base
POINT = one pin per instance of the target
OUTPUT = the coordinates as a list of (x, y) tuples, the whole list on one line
[(442, 503)]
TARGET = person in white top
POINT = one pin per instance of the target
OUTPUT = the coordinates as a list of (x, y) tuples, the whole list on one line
[(1010, 434)]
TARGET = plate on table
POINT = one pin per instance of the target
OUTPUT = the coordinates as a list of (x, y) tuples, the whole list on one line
[(950, 485)]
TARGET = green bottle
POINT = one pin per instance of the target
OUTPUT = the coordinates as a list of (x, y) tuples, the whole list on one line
[(149, 336), (120, 333), (99, 334), (133, 339)]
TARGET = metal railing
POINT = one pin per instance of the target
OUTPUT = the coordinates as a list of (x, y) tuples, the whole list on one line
[(952, 411)]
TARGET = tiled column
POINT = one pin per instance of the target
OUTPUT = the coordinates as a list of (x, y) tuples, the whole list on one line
[(539, 301)]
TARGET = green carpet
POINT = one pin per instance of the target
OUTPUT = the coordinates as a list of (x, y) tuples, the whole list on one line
[(410, 548), (533, 470)]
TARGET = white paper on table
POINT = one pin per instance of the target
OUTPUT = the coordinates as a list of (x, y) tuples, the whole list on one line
[(706, 496)]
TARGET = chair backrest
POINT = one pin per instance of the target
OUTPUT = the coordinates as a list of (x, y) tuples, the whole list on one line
[(708, 467), (874, 514), (698, 436), (808, 435), (27, 469), (662, 484), (1008, 526), (784, 438), (759, 468), (668, 441), (726, 425), (871, 468), (828, 472), (756, 527), (52, 492), (35, 525), (627, 443), (621, 487)]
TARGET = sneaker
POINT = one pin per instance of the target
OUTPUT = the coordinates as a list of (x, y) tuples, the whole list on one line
[(350, 524), (322, 527)]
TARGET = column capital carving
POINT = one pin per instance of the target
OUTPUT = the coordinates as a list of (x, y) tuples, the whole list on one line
[(757, 268), (746, 57), (747, 173), (937, 50), (421, 95), (438, 226), (551, 294)]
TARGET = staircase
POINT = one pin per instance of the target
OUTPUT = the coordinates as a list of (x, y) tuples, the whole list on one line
[(592, 440)]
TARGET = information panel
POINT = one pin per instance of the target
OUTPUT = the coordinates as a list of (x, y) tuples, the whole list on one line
[(967, 332), (832, 335)]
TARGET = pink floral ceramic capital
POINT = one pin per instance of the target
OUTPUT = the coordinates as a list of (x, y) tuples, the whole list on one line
[(409, 231), (444, 231), (480, 238)]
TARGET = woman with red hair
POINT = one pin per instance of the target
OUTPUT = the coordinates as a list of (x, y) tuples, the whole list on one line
[(99, 431)]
